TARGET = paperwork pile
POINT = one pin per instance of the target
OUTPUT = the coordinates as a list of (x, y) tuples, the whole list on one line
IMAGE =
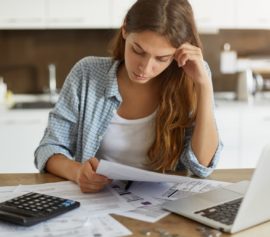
[(142, 201)]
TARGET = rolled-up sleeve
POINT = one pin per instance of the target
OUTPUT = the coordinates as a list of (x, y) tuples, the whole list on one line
[(61, 132), (190, 161)]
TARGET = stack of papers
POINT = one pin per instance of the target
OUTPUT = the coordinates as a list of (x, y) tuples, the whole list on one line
[(90, 219), (142, 201)]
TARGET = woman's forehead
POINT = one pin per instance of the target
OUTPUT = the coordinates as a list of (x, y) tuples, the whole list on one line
[(152, 42)]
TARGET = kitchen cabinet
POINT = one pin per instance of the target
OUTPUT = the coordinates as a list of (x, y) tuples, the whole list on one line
[(119, 10), (231, 14), (214, 14), (64, 14), (78, 13), (21, 132), (210, 15), (255, 133), (244, 129), (22, 14), (55, 14), (253, 15), (228, 121), (223, 16)]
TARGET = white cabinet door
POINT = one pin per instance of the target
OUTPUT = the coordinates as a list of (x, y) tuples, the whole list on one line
[(228, 121), (214, 14), (78, 13), (254, 135), (119, 10), (209, 14), (244, 130), (20, 14), (60, 14), (253, 14), (20, 135)]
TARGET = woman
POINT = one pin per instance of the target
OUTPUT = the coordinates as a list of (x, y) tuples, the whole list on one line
[(149, 106)]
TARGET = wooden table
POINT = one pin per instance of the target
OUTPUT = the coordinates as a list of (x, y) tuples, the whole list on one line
[(174, 224)]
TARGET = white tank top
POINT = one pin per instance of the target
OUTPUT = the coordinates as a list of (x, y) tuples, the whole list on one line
[(128, 141)]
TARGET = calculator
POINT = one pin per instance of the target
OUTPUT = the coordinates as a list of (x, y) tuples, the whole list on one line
[(32, 208)]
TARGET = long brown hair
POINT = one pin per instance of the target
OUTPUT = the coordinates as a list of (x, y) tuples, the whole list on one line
[(177, 109)]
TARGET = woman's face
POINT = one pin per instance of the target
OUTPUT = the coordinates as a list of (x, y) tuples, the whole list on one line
[(147, 54)]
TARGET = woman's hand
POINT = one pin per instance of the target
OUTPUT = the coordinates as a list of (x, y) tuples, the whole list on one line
[(190, 58), (88, 180)]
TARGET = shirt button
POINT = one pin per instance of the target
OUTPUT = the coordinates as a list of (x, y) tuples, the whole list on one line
[(100, 138), (114, 111)]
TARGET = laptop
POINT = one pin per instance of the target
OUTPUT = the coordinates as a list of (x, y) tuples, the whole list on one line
[(234, 207)]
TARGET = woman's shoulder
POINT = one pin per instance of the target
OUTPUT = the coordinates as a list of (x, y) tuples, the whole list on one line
[(95, 63)]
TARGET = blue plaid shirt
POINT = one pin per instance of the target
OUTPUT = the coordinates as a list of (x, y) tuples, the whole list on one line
[(83, 112)]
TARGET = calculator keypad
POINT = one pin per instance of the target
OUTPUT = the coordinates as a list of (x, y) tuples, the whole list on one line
[(35, 206), (36, 202)]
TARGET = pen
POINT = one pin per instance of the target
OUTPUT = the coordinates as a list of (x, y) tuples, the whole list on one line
[(172, 193), (128, 185)]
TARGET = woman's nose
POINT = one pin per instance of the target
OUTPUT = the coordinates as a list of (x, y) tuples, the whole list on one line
[(146, 66)]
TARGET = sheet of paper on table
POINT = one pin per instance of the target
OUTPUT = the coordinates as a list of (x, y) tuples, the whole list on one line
[(76, 226), (150, 210), (172, 191), (91, 219), (146, 208)]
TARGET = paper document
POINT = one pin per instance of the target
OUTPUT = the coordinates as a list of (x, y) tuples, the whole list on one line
[(162, 191), (76, 226), (6, 193), (105, 202), (149, 213), (90, 219), (172, 191), (118, 171), (146, 208)]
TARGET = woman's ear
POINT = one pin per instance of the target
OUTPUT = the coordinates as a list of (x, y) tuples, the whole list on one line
[(124, 33)]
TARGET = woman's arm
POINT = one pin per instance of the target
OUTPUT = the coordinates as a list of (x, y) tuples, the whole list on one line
[(60, 136), (205, 140), (83, 174), (63, 167)]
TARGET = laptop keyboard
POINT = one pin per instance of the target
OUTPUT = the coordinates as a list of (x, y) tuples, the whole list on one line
[(224, 213)]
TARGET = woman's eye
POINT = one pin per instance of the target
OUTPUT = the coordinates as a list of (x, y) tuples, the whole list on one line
[(164, 60), (137, 51)]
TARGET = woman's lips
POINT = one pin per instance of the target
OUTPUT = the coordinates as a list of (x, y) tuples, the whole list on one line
[(139, 76)]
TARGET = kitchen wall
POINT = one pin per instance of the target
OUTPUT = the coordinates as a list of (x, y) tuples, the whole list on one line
[(244, 42), (25, 54)]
